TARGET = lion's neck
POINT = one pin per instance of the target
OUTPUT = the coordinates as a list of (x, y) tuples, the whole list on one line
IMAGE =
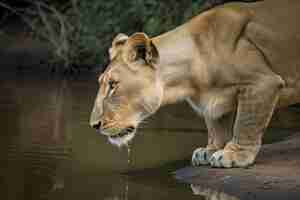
[(174, 69)]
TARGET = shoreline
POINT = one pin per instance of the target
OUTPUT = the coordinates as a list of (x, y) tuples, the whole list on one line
[(275, 175)]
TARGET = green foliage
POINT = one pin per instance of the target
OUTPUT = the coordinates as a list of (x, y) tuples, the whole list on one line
[(87, 27)]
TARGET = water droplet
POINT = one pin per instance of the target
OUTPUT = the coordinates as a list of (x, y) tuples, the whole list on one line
[(126, 190), (128, 154)]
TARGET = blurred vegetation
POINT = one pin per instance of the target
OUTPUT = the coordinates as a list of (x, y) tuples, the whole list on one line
[(80, 31), (102, 20)]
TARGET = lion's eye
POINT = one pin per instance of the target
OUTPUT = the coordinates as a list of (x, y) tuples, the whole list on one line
[(112, 86)]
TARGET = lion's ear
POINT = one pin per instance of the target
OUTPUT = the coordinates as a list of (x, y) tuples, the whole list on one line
[(140, 47), (116, 45), (153, 56)]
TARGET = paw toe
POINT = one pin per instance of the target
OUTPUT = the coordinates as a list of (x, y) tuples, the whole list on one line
[(219, 160), (201, 156)]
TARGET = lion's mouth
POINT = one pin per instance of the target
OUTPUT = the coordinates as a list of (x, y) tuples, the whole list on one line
[(124, 132), (123, 137)]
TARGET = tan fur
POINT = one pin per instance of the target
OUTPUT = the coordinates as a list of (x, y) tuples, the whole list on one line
[(234, 64)]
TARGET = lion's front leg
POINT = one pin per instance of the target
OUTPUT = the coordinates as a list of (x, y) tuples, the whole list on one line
[(256, 104), (219, 133)]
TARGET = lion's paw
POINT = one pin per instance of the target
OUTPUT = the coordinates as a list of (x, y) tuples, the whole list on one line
[(201, 156), (229, 159), (220, 159)]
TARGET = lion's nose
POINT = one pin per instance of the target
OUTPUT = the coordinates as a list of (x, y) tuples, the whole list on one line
[(96, 125)]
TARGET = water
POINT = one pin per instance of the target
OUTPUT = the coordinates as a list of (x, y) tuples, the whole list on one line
[(128, 154), (48, 151)]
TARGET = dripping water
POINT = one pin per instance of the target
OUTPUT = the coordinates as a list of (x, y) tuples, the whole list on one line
[(126, 190), (128, 147)]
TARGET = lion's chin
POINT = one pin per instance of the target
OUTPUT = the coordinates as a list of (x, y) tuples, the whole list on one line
[(121, 141)]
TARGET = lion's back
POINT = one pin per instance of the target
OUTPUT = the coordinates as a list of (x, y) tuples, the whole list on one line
[(275, 30)]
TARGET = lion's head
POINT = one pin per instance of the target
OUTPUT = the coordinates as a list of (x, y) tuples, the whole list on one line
[(129, 88)]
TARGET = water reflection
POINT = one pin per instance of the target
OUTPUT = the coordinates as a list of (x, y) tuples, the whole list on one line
[(211, 194), (48, 151), (130, 188), (34, 148)]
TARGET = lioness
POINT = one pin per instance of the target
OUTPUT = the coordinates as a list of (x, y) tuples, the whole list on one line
[(234, 64)]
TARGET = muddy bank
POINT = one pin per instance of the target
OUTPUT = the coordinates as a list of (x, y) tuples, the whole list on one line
[(275, 175)]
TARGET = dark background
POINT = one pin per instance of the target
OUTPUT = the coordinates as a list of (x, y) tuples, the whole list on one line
[(73, 35)]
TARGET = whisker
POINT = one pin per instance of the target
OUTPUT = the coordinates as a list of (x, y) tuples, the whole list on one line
[(142, 126), (148, 108), (144, 122)]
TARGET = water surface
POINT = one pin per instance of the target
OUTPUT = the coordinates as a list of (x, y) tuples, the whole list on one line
[(48, 151)]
